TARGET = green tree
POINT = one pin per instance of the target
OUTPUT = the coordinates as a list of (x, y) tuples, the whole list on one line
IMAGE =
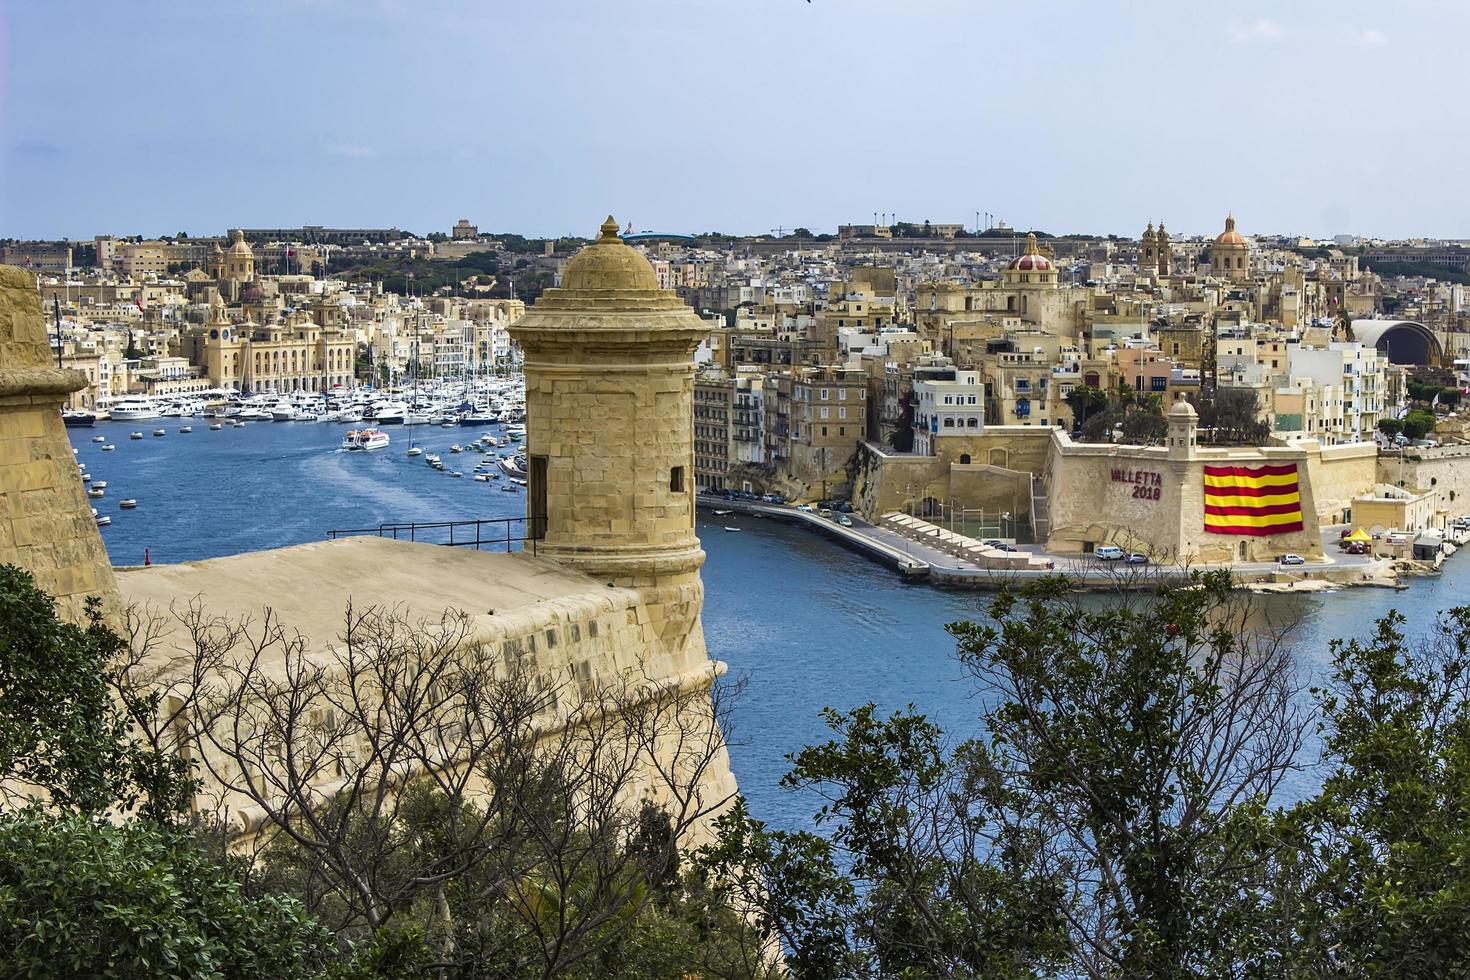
[(1140, 742), (1085, 401), (1384, 890), (65, 730), (1390, 427), (1110, 820), (918, 876), (1419, 423), (1232, 417), (84, 897)]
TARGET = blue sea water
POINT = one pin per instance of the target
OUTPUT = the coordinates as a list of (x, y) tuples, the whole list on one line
[(805, 622)]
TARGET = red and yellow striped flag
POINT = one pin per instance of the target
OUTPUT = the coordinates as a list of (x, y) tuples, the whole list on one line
[(1255, 500)]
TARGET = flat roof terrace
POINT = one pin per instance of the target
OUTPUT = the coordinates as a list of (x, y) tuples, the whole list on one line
[(309, 586)]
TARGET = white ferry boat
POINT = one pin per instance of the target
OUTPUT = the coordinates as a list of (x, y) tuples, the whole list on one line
[(364, 439), (134, 408)]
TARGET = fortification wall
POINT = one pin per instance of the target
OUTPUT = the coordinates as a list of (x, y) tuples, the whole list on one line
[(1337, 475), (1445, 470), (992, 470), (1140, 499), (46, 524)]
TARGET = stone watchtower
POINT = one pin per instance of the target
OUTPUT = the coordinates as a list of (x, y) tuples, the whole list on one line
[(46, 525), (1183, 422), (609, 364)]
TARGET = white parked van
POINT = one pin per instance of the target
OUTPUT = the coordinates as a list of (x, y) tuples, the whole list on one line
[(1109, 552)]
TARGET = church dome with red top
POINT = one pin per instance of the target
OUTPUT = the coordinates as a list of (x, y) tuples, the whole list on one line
[(1031, 260)]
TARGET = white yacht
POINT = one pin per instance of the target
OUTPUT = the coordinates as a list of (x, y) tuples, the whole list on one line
[(283, 411), (365, 439), (134, 408), (389, 413)]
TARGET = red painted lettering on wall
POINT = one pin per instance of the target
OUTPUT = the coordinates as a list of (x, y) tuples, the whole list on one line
[(1146, 484)]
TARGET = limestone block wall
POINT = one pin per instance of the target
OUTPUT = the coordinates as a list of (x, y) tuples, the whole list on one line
[(46, 524), (1338, 474), (1445, 470), (998, 474), (1101, 494), (611, 454), (581, 645)]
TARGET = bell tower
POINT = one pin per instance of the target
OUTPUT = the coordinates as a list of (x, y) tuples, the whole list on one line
[(609, 364), (1147, 251)]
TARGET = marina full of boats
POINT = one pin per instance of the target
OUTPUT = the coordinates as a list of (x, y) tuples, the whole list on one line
[(494, 409), (482, 402)]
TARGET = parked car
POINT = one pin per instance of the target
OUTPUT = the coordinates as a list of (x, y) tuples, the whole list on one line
[(1109, 552), (1136, 558), (1290, 559), (1002, 546), (805, 508), (844, 520), (1356, 548), (842, 507), (825, 512)]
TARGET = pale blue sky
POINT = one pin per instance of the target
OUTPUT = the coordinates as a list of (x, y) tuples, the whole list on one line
[(154, 116)]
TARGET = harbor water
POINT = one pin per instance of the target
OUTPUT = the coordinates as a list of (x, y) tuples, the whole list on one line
[(805, 622)]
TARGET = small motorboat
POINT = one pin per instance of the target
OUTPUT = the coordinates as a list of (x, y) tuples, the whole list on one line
[(455, 473), (238, 424), (733, 530), (94, 493), (508, 487), (432, 459), (100, 485), (482, 478), (216, 427), (127, 503), (86, 477), (135, 435), (722, 513), (160, 432), (99, 438), (103, 520), (186, 428), (108, 448), (415, 451), (456, 448)]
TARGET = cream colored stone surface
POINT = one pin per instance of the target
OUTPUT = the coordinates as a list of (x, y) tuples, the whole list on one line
[(616, 593), (46, 524)]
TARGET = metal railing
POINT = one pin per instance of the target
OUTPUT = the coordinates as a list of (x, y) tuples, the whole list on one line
[(502, 533)]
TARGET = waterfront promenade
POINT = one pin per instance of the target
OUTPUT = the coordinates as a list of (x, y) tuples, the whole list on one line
[(915, 560)]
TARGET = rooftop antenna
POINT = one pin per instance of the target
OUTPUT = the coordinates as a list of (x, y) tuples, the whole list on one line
[(56, 304)]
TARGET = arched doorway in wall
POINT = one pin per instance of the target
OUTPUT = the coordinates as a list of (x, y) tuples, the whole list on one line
[(1000, 456), (964, 459)]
